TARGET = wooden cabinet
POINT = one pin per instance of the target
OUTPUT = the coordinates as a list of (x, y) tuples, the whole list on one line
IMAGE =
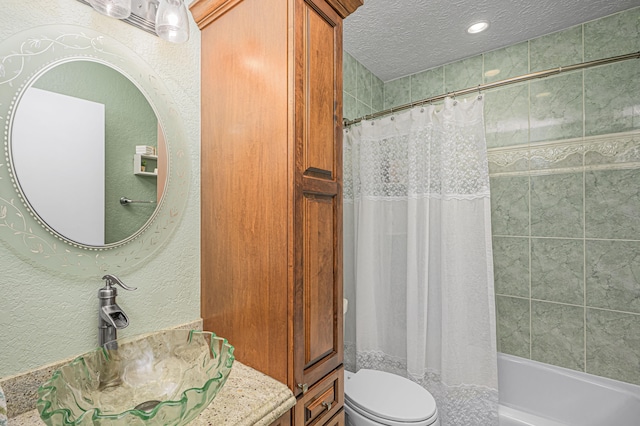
[(271, 178), (324, 400), (317, 216), (337, 420), (321, 405)]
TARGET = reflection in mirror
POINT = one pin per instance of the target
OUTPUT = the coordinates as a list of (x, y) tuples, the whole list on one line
[(28, 57), (73, 145)]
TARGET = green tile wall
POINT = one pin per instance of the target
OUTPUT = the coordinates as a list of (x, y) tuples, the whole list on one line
[(612, 107), (362, 91), (566, 240), (564, 160), (564, 156), (557, 49)]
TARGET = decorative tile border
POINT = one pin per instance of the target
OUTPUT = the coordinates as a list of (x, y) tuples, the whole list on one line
[(603, 152), (21, 390)]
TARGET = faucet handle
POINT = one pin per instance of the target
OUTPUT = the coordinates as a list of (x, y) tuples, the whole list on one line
[(113, 280)]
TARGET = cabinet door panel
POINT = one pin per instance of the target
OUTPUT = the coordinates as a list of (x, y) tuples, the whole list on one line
[(318, 192), (321, 94), (319, 295)]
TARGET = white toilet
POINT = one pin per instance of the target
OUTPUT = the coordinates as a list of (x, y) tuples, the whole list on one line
[(377, 398)]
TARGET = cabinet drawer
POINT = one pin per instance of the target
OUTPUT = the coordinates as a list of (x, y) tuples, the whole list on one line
[(337, 420), (322, 401)]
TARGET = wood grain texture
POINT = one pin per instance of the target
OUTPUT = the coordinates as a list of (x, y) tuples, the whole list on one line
[(318, 330), (272, 185), (337, 420), (319, 83), (318, 219), (204, 12), (345, 7), (244, 183), (323, 401)]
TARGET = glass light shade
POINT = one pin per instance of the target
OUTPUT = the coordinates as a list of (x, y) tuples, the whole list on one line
[(172, 21), (119, 9)]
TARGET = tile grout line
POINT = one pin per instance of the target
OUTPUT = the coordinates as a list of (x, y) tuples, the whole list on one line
[(529, 194), (568, 238), (584, 218), (482, 70), (411, 94), (444, 79), (584, 256), (372, 92), (569, 304)]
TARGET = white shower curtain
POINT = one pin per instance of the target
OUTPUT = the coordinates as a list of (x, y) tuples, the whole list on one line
[(418, 261)]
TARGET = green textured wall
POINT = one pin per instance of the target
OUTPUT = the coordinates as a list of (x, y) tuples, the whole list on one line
[(129, 121)]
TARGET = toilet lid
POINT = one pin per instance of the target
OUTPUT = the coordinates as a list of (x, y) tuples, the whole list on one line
[(389, 396)]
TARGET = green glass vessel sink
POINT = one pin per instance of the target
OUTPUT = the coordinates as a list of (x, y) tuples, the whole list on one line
[(163, 378)]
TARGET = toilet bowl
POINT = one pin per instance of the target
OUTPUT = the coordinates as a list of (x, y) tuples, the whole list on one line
[(374, 398), (377, 398)]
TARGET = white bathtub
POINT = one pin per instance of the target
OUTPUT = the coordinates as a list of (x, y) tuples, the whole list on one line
[(537, 394)]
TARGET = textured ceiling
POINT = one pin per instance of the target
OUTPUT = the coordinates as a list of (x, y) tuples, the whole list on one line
[(395, 38)]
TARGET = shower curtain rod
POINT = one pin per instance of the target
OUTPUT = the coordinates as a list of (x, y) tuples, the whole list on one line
[(505, 82)]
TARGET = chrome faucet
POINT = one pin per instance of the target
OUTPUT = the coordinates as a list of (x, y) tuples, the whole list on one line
[(110, 316)]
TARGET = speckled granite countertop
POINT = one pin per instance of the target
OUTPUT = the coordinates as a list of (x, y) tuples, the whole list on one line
[(248, 398)]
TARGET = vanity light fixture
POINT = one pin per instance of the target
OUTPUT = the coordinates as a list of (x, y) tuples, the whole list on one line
[(168, 19), (119, 9), (478, 27)]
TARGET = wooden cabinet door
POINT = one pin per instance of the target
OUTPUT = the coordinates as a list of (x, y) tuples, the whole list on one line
[(245, 180), (318, 347)]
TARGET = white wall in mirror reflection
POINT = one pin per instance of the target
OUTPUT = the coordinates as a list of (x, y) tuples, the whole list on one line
[(58, 153)]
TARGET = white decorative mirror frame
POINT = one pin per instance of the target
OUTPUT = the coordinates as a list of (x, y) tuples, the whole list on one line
[(23, 58)]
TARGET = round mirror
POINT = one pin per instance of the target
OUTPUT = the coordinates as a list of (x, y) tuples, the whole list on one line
[(96, 169), (84, 137)]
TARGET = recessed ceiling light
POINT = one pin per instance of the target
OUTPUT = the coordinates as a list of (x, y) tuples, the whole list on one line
[(478, 27)]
